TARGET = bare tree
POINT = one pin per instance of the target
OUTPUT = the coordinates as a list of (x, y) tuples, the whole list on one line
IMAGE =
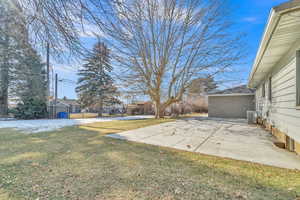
[(160, 46), (54, 22)]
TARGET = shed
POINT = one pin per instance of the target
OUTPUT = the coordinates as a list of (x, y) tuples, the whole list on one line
[(231, 103)]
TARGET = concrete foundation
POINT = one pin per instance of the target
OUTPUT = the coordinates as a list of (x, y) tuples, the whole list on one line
[(280, 136)]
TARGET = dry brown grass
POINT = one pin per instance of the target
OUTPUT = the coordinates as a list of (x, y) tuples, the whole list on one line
[(79, 163), (83, 115), (120, 126), (92, 115), (191, 115)]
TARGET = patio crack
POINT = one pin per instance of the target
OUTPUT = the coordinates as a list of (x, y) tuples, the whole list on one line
[(221, 128)]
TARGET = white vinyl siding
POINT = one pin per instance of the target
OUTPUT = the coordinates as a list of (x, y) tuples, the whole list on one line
[(298, 78), (281, 112)]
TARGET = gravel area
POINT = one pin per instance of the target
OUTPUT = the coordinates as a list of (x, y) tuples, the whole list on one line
[(35, 126)]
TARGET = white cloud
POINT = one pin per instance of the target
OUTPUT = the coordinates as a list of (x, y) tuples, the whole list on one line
[(250, 19)]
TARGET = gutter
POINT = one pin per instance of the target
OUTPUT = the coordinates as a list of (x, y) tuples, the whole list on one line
[(269, 30), (233, 94)]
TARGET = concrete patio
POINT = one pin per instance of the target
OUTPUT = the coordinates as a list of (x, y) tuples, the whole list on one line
[(219, 137)]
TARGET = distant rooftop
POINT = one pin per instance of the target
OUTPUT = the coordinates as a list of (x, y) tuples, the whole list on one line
[(242, 89)]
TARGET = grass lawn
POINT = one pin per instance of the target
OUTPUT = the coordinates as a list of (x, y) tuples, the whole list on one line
[(79, 163), (92, 115)]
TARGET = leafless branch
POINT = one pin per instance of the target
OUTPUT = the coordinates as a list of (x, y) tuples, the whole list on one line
[(160, 46)]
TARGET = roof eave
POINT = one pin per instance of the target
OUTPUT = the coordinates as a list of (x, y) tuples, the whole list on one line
[(270, 28), (288, 6), (273, 21)]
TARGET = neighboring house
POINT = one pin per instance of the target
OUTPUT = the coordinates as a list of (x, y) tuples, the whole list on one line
[(72, 103), (276, 75), (140, 108), (108, 109), (67, 105), (231, 103), (179, 108)]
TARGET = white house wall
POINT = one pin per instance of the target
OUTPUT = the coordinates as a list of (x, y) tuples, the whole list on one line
[(282, 112)]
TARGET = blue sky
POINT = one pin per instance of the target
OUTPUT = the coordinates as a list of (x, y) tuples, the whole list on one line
[(250, 17)]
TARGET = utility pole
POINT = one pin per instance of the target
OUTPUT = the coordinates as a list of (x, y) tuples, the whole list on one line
[(48, 72), (56, 81), (55, 96)]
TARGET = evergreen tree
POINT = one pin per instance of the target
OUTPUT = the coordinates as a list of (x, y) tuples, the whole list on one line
[(4, 58), (95, 85), (13, 36), (30, 77), (29, 86), (21, 70)]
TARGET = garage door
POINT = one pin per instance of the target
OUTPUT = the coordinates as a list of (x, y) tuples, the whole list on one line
[(230, 106)]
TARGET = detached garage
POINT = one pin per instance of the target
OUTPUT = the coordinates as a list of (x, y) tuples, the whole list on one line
[(231, 103)]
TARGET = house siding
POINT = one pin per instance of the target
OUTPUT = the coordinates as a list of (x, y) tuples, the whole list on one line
[(281, 113)]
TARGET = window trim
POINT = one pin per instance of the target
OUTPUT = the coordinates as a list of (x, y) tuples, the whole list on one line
[(270, 89), (298, 79)]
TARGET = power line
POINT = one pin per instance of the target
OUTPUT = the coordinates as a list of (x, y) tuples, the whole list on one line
[(67, 81)]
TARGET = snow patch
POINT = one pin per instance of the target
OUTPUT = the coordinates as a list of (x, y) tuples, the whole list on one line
[(42, 125)]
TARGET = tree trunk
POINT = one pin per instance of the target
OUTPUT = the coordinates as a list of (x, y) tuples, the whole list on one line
[(4, 91), (4, 80), (159, 110), (100, 112)]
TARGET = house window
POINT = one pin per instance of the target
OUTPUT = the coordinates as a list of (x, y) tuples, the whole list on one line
[(298, 78), (263, 92), (270, 89)]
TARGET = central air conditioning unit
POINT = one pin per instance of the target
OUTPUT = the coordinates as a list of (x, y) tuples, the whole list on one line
[(251, 117)]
